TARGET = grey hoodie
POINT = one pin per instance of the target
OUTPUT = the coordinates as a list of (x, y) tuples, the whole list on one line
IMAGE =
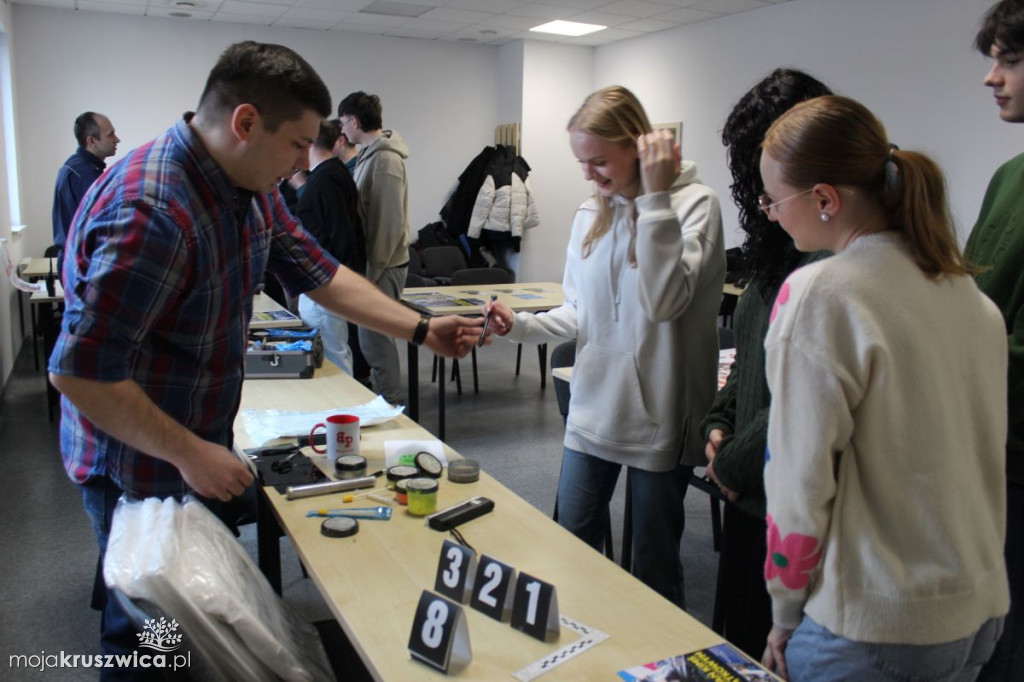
[(384, 202)]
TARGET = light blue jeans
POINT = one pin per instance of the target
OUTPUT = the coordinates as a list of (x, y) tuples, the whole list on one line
[(584, 489), (815, 654), (333, 330)]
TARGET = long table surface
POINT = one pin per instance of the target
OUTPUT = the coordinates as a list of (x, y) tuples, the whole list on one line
[(372, 581), (469, 298)]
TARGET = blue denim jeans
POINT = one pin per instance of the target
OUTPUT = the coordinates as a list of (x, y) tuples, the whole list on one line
[(815, 654), (584, 490), (333, 330)]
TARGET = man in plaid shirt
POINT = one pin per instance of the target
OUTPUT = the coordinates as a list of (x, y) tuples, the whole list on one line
[(161, 265)]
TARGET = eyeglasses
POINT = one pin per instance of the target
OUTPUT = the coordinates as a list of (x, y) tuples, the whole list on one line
[(766, 204)]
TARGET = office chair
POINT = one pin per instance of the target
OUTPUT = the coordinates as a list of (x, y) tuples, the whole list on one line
[(415, 280), (441, 262), (415, 261)]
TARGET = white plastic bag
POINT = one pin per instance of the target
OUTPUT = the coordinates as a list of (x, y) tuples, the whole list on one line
[(181, 558)]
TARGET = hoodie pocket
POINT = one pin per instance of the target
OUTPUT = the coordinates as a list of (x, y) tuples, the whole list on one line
[(607, 402)]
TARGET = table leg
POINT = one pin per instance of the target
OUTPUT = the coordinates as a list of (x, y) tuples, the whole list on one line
[(414, 382), (542, 357), (268, 543), (35, 337), (440, 397), (46, 313)]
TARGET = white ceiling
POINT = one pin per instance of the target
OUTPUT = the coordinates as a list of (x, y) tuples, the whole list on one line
[(490, 22)]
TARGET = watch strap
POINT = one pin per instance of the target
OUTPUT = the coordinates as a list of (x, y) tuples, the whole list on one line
[(419, 335)]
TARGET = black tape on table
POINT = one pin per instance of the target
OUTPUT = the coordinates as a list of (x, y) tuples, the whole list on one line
[(303, 471)]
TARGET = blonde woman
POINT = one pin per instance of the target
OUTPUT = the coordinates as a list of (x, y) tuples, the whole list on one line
[(643, 281)]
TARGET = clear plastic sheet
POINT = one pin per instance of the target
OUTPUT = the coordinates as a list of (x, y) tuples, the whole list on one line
[(265, 425), (181, 558)]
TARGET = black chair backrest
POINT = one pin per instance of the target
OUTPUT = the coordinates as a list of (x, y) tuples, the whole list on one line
[(415, 263), (442, 261), (414, 280), (480, 276)]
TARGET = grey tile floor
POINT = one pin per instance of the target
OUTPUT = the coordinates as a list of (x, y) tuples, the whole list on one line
[(46, 565)]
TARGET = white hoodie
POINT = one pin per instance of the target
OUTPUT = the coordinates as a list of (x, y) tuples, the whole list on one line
[(647, 339)]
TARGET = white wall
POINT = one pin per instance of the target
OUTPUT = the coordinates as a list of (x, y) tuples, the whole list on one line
[(909, 61), (556, 79), (10, 333), (144, 72)]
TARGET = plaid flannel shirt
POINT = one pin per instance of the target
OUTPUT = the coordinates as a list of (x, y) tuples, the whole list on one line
[(160, 269)]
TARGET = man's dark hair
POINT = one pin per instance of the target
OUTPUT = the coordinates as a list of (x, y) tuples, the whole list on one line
[(329, 133), (364, 107), (768, 252), (86, 127), (1003, 27), (274, 79)]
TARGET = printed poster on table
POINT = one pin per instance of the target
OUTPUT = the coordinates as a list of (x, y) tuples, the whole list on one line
[(721, 663)]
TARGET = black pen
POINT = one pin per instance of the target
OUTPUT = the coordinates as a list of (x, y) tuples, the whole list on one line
[(487, 320)]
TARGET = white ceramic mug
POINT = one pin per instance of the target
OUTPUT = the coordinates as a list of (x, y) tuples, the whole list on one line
[(342, 437)]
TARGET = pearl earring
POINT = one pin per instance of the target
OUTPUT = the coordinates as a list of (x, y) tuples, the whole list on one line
[(825, 217)]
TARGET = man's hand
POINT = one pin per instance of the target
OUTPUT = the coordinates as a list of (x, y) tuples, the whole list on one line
[(453, 336), (214, 471), (774, 657)]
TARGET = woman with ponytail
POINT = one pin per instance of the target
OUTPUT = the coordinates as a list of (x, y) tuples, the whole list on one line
[(885, 479)]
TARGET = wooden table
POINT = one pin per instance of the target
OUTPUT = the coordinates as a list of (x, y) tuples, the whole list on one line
[(35, 268), (468, 300), (732, 289), (32, 269), (373, 580)]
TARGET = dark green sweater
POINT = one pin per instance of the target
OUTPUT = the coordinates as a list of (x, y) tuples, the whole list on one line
[(741, 407), (997, 243)]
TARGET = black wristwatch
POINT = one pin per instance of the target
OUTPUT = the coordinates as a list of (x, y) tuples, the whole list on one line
[(420, 334)]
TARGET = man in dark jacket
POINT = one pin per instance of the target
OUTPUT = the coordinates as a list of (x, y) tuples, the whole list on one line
[(328, 208), (96, 142)]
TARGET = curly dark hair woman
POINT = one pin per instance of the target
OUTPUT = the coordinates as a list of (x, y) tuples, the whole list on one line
[(768, 252), (736, 427)]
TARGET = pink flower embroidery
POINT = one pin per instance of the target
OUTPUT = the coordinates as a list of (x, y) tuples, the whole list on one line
[(780, 300), (792, 559)]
